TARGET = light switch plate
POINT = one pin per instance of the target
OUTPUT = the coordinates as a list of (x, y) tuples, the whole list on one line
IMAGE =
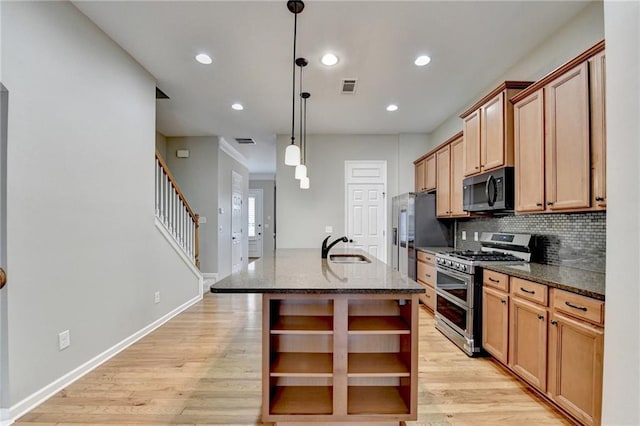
[(202, 219), (328, 229), (182, 153)]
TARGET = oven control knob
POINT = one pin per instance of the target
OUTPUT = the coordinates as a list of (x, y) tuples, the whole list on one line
[(449, 263), (464, 268)]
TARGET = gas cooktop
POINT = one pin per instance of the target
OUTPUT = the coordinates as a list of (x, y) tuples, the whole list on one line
[(494, 256)]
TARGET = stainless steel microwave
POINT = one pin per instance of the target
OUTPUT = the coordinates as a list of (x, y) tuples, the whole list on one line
[(489, 192)]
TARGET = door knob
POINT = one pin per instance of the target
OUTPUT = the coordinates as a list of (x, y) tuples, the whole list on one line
[(3, 278)]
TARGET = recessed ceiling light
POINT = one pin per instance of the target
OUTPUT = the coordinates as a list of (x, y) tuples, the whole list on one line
[(392, 107), (237, 107), (329, 59), (203, 58), (423, 60)]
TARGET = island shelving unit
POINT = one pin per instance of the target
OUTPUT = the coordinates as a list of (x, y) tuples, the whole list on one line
[(339, 341)]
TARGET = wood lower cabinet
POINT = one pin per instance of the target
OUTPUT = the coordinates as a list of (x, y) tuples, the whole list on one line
[(340, 358), (576, 347), (426, 275), (528, 341), (495, 323)]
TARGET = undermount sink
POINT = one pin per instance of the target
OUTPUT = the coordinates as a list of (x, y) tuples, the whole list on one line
[(348, 258)]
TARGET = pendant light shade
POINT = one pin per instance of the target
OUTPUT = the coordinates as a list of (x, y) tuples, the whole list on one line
[(301, 171), (292, 155), (304, 183)]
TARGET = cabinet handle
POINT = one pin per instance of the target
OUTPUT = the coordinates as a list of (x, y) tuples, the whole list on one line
[(599, 199), (571, 305), (554, 322), (528, 291), (504, 302), (540, 317), (539, 204), (493, 280), (428, 296), (477, 167), (549, 203), (427, 275)]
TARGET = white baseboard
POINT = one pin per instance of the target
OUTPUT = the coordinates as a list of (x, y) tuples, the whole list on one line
[(5, 417), (37, 398), (208, 279)]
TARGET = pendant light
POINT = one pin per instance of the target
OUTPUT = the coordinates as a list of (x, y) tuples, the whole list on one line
[(292, 153), (304, 182), (301, 169)]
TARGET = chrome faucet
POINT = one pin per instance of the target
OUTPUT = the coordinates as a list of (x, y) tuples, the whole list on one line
[(325, 248)]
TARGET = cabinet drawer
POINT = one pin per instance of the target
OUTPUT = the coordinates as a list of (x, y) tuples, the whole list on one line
[(426, 257), (529, 290), (429, 298), (496, 280), (579, 306), (426, 274)]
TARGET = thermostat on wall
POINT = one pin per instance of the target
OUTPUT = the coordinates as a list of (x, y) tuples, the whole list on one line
[(182, 153)]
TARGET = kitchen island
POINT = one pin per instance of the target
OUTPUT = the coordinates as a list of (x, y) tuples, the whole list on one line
[(339, 340)]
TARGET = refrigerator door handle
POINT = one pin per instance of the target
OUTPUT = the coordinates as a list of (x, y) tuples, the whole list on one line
[(395, 236)]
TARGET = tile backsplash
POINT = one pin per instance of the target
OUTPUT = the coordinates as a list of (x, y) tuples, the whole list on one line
[(577, 240)]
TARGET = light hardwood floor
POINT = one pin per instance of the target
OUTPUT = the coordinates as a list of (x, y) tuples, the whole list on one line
[(203, 367)]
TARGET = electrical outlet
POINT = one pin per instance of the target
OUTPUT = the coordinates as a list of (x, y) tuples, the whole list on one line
[(475, 236), (64, 340), (328, 229), (157, 297), (464, 235)]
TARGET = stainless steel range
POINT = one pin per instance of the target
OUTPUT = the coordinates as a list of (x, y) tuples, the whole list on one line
[(458, 311)]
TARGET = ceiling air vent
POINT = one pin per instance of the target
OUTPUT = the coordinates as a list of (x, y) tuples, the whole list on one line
[(246, 141), (349, 86)]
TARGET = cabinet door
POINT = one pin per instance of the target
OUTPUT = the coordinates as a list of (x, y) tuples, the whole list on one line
[(420, 177), (457, 176), (529, 152), (598, 130), (430, 172), (575, 367), (443, 172), (528, 342), (471, 130), (492, 137), (495, 323), (567, 140), (429, 298)]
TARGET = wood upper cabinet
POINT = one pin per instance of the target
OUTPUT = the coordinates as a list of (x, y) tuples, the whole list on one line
[(457, 176), (598, 130), (443, 182), (575, 367), (471, 131), (488, 130), (425, 170), (567, 146), (420, 176), (560, 141), (528, 341), (495, 323), (529, 152)]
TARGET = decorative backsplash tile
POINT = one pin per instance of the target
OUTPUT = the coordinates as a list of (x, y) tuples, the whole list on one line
[(576, 240)]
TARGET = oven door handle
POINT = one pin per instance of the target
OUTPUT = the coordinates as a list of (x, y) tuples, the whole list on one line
[(464, 277)]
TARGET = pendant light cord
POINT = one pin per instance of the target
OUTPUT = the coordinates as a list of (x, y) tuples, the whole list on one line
[(293, 79), (301, 128), (304, 152)]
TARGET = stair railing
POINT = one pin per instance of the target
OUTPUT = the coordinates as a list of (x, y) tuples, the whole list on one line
[(173, 210)]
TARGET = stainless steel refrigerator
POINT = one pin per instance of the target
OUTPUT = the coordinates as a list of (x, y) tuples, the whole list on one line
[(414, 224)]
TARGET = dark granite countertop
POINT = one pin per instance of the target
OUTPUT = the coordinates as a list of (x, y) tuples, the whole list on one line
[(586, 283), (303, 271), (435, 250)]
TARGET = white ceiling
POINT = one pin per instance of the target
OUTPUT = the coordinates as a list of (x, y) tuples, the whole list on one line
[(471, 44)]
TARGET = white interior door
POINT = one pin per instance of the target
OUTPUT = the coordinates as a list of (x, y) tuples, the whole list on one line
[(4, 361), (236, 222), (366, 206), (254, 230)]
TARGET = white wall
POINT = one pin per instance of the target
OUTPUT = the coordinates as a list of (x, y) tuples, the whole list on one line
[(83, 250), (268, 213), (226, 164), (197, 177), (410, 148), (161, 144), (580, 33), (302, 215), (621, 396)]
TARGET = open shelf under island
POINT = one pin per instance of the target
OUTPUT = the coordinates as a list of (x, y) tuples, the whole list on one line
[(339, 340)]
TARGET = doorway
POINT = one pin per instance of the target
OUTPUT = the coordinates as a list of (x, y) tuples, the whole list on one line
[(236, 222), (366, 206), (254, 229), (4, 331)]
